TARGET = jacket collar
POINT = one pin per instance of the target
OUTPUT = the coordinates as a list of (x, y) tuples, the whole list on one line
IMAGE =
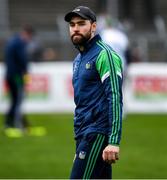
[(90, 43)]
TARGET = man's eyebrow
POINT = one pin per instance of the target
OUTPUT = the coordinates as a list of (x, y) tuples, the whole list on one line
[(79, 21)]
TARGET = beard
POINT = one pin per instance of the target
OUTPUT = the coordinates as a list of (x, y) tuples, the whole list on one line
[(80, 39)]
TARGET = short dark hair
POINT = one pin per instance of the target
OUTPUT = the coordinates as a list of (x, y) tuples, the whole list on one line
[(28, 29)]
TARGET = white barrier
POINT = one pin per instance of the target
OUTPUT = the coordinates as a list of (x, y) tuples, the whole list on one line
[(50, 88), (146, 88)]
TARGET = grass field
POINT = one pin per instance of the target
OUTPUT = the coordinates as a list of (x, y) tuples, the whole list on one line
[(143, 149)]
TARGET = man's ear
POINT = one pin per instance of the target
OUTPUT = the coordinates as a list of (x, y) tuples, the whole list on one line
[(94, 25)]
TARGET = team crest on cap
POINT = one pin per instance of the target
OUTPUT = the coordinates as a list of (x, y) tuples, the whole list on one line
[(77, 10)]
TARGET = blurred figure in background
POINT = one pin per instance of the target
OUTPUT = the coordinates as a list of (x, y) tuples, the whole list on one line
[(117, 39), (16, 62)]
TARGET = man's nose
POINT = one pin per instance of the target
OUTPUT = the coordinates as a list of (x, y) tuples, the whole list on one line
[(76, 28)]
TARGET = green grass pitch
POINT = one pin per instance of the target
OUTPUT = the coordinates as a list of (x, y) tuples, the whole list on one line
[(143, 149)]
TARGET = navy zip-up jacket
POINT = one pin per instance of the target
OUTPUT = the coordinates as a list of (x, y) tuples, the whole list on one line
[(16, 59), (97, 82)]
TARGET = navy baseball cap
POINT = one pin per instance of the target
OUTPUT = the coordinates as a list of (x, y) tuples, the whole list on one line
[(82, 11)]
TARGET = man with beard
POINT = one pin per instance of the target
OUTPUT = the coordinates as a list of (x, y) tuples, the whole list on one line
[(97, 82)]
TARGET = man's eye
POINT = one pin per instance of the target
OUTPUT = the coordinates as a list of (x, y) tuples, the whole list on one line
[(72, 25), (81, 24)]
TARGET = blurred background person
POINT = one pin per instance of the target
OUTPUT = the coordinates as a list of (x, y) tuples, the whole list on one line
[(117, 39), (16, 62)]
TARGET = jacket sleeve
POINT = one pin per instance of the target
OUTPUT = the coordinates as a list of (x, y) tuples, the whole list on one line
[(109, 67)]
